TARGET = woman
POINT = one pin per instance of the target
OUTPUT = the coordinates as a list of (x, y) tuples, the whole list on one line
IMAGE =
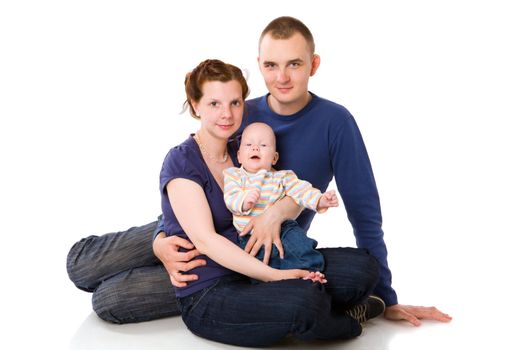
[(223, 305)]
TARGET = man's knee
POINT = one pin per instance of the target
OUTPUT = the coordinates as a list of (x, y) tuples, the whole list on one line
[(78, 269), (108, 303), (136, 295)]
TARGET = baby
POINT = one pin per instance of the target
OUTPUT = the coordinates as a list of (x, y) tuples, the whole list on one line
[(255, 186)]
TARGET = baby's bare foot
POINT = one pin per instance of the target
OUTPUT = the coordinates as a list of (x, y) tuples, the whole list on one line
[(316, 277)]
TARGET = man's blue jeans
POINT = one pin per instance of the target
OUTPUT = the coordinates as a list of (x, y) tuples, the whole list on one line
[(130, 285), (299, 249)]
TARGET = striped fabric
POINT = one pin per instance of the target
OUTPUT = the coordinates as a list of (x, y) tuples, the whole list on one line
[(273, 185)]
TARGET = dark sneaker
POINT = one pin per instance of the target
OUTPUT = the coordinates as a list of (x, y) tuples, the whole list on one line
[(372, 307)]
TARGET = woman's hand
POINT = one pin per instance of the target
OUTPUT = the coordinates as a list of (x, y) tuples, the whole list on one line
[(414, 314), (167, 250)]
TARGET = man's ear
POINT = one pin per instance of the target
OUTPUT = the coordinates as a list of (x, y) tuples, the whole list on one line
[(316, 62), (275, 158)]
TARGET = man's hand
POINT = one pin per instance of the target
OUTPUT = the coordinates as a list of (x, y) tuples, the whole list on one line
[(414, 314), (167, 250), (251, 198), (265, 229)]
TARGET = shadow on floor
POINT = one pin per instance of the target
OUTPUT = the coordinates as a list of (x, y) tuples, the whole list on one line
[(94, 333)]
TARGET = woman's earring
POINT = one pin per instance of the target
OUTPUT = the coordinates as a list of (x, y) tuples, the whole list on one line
[(197, 113)]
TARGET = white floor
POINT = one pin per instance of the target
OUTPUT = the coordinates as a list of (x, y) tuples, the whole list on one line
[(170, 333), (480, 286), (480, 321), (89, 100)]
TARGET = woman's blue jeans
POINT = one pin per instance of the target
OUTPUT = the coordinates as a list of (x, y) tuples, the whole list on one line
[(130, 285), (236, 311)]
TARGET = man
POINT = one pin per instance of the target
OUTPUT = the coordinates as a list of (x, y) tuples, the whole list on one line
[(317, 139)]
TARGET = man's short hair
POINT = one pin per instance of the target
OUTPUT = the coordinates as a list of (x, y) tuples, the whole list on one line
[(285, 27)]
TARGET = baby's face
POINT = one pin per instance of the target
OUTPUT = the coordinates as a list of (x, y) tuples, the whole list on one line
[(257, 149)]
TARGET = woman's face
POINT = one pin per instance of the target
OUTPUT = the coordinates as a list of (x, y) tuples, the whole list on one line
[(220, 108)]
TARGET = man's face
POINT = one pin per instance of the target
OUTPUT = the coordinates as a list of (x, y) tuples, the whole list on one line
[(286, 66)]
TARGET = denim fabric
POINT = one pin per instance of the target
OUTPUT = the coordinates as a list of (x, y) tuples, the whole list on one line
[(128, 282), (299, 250), (130, 285), (235, 311)]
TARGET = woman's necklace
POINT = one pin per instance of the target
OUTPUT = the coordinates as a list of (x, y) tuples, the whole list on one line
[(205, 151)]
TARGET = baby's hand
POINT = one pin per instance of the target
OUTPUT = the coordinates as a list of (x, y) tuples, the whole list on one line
[(251, 198), (327, 200), (316, 277)]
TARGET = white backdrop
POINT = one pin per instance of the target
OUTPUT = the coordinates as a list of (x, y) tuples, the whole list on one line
[(90, 95)]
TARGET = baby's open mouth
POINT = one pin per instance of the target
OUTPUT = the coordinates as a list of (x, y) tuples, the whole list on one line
[(255, 157)]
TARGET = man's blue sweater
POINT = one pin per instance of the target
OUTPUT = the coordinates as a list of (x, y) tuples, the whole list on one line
[(322, 141)]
